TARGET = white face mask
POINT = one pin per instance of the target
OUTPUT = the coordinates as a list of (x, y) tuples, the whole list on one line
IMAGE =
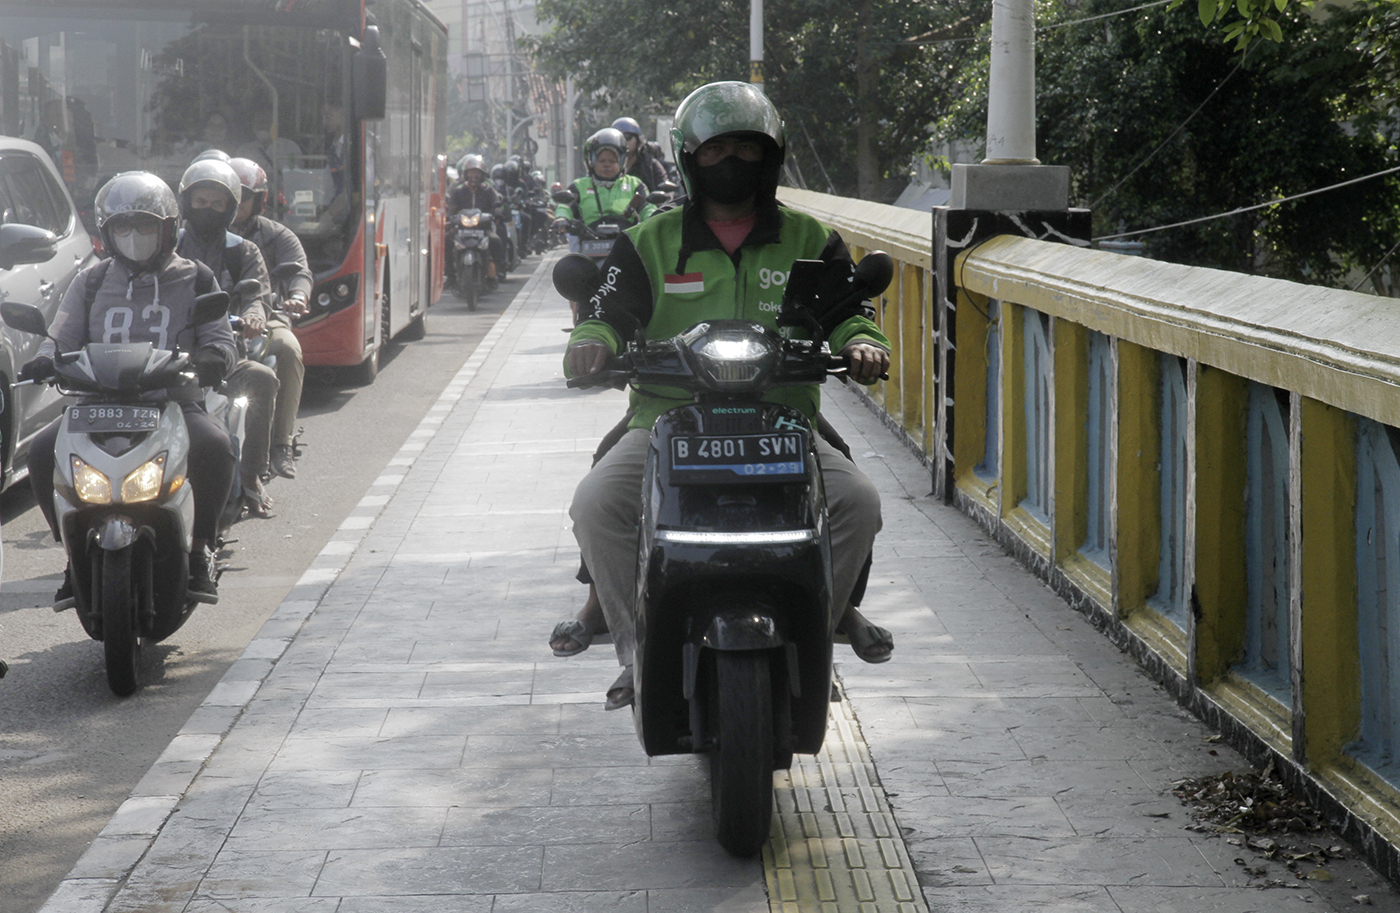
[(138, 247)]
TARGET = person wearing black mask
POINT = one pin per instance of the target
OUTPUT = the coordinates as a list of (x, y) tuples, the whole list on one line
[(209, 195), (725, 254)]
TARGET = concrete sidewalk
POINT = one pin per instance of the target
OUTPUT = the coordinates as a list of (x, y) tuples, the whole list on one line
[(399, 738)]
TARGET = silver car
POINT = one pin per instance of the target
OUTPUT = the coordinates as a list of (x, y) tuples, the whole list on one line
[(43, 245)]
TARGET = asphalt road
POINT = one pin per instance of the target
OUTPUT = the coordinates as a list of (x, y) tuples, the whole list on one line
[(70, 751)]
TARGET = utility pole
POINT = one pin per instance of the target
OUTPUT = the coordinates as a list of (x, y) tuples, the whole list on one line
[(756, 43)]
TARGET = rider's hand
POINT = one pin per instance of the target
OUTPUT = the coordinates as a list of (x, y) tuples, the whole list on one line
[(37, 369), (867, 362), (209, 366), (296, 306), (560, 224), (587, 358), (254, 323)]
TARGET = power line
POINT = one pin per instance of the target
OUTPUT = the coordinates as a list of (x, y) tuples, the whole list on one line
[(1134, 9), (1180, 127), (1242, 209)]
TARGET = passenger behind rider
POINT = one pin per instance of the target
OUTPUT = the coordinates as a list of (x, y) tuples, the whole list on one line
[(146, 294), (474, 191), (278, 244), (729, 144), (209, 196), (639, 163)]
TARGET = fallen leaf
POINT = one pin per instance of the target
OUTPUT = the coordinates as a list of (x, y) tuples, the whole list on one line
[(1319, 875)]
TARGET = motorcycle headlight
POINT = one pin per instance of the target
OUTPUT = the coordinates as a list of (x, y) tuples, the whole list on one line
[(90, 485), (734, 358), (143, 484), (467, 221)]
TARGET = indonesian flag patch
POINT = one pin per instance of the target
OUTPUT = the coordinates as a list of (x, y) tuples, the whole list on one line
[(689, 282)]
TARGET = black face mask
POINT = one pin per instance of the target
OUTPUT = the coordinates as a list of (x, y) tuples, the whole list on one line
[(208, 223), (730, 180)]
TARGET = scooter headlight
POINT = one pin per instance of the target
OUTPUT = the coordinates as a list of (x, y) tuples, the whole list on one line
[(91, 486), (143, 484), (468, 221), (734, 358)]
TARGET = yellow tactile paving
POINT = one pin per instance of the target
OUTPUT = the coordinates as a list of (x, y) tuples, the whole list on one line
[(834, 846)]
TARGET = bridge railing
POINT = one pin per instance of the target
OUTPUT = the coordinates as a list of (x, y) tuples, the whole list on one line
[(1207, 464)]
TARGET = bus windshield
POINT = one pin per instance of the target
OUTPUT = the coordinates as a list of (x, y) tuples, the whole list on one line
[(115, 88)]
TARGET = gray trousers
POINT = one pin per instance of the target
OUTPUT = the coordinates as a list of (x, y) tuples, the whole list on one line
[(607, 509)]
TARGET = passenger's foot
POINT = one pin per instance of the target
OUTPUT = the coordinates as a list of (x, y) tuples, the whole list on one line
[(284, 461), (621, 694), (870, 642), (202, 585), (65, 598), (573, 637), (255, 499)]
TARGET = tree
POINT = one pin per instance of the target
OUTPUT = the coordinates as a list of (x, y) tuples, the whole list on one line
[(1160, 122), (845, 82)]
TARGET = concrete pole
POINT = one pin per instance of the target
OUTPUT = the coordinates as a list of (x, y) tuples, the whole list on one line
[(756, 43), (1011, 91), (566, 168)]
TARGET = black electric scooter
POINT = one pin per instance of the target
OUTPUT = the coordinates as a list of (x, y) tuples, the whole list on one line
[(735, 620)]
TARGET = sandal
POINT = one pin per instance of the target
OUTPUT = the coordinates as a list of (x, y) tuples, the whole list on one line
[(258, 505), (573, 630), (872, 643), (622, 693)]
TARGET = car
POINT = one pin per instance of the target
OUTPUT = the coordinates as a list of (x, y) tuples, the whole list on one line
[(43, 245)]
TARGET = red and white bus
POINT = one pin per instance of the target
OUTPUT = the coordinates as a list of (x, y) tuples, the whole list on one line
[(342, 101)]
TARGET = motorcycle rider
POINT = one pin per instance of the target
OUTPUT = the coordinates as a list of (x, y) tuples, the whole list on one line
[(474, 191), (278, 244), (729, 143), (605, 190), (145, 293), (209, 195), (640, 163)]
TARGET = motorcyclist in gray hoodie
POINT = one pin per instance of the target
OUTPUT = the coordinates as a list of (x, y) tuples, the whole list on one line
[(145, 293)]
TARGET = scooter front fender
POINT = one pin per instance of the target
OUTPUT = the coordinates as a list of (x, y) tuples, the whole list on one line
[(116, 532)]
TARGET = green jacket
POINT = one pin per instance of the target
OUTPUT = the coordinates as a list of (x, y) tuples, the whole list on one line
[(597, 199), (670, 272)]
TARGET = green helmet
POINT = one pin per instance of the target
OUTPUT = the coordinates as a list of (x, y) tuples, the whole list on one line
[(726, 107)]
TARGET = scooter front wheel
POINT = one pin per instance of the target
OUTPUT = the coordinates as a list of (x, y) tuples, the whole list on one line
[(122, 598), (741, 761)]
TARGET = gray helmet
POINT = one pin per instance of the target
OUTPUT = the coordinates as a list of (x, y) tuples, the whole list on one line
[(216, 154), (606, 138), (211, 173), (471, 162), (627, 126), (133, 193), (727, 107)]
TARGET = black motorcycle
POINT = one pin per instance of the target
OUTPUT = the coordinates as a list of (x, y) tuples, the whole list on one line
[(471, 252), (735, 614)]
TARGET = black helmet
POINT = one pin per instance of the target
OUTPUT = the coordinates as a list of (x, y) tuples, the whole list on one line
[(722, 108), (512, 170), (498, 172), (606, 138), (132, 194), (216, 174), (253, 180), (471, 162)]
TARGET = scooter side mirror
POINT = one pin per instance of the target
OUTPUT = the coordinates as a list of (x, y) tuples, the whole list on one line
[(246, 289), (24, 317), (210, 307), (873, 273), (576, 277), (669, 187), (564, 197), (284, 271), (656, 197)]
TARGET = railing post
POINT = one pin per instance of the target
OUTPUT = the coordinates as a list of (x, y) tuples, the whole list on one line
[(1009, 193)]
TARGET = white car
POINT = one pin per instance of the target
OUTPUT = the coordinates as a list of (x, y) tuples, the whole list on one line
[(43, 245)]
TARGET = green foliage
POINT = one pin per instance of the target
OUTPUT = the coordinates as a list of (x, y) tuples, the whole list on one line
[(1257, 18), (641, 57), (1160, 122)]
